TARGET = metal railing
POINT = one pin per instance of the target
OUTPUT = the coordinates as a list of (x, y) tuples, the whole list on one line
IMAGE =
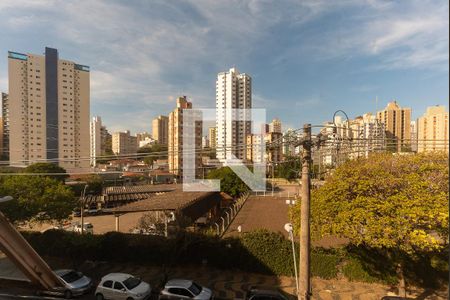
[(276, 193), (230, 213)]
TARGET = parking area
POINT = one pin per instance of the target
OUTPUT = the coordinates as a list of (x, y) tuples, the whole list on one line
[(101, 223), (226, 284)]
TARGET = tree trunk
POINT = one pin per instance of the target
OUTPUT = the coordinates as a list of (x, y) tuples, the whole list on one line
[(401, 281)]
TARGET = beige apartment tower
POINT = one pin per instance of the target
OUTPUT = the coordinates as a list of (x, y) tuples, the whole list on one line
[(160, 129), (432, 130), (124, 143), (397, 122), (212, 135), (175, 145), (48, 110), (275, 126)]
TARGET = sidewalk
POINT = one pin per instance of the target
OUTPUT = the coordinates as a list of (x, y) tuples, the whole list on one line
[(232, 285), (9, 271)]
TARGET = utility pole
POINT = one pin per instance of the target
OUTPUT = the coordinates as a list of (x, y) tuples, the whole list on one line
[(305, 238)]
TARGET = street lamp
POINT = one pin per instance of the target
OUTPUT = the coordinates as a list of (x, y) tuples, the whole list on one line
[(288, 227), (83, 200)]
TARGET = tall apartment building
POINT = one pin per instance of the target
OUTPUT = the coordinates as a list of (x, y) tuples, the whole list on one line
[(124, 143), (176, 143), (212, 136), (432, 129), (274, 153), (96, 139), (275, 126), (255, 145), (368, 135), (265, 147), (233, 91), (397, 123), (48, 110), (4, 138), (350, 139), (160, 129)]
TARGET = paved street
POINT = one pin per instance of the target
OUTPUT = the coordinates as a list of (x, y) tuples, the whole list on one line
[(227, 284)]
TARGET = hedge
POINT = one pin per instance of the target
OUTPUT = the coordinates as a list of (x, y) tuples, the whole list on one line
[(259, 251)]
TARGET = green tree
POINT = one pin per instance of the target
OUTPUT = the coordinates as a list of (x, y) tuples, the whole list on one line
[(230, 183), (289, 169), (47, 168), (156, 151), (94, 184), (396, 204), (36, 198)]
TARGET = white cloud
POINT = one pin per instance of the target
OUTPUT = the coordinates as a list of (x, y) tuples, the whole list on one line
[(413, 34), (314, 100), (143, 53)]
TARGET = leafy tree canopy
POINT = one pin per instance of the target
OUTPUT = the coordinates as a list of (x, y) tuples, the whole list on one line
[(94, 184), (36, 198), (394, 203), (289, 169), (48, 168), (155, 151), (386, 201), (230, 183)]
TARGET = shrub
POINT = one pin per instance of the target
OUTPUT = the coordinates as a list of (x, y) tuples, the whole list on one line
[(324, 264), (271, 249), (353, 270), (259, 251)]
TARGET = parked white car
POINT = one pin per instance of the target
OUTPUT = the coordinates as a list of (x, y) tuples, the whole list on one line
[(122, 286), (88, 228), (185, 289)]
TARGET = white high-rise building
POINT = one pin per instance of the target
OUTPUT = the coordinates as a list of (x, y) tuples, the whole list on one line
[(96, 139), (233, 91)]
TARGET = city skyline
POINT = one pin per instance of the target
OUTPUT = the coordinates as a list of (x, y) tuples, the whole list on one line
[(307, 60)]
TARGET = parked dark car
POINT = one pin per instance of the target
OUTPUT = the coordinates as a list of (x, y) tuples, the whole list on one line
[(265, 293)]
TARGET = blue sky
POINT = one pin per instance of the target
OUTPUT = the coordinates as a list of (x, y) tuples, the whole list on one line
[(307, 58)]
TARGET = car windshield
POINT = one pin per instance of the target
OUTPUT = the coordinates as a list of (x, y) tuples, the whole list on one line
[(132, 282), (195, 288), (71, 276)]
